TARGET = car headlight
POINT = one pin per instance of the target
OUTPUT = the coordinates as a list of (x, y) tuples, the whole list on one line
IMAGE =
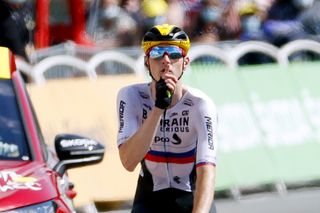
[(46, 207)]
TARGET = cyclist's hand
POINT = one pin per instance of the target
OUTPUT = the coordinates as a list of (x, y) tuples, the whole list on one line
[(163, 95)]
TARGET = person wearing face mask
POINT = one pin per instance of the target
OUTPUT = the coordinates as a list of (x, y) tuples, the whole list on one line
[(153, 12), (209, 22), (170, 129), (115, 26), (251, 22), (251, 29)]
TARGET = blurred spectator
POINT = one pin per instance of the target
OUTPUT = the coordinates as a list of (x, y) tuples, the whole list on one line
[(191, 10), (154, 12), (208, 22), (310, 20), (116, 27), (91, 16), (282, 24), (230, 28), (251, 21), (175, 13), (263, 7), (133, 8), (16, 26)]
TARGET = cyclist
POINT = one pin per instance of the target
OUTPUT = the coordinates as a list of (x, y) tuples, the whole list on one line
[(170, 128)]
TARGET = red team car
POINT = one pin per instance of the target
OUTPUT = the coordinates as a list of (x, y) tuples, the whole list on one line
[(33, 176)]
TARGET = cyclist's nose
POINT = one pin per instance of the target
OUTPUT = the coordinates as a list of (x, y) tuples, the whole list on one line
[(165, 63), (165, 58)]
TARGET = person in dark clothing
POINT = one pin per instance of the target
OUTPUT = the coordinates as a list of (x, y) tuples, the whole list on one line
[(14, 33), (282, 24)]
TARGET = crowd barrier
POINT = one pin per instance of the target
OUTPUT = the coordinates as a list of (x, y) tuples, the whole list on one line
[(46, 65)]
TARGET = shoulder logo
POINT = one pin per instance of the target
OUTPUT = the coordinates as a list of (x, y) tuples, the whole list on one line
[(143, 95), (188, 102), (173, 114), (208, 123), (121, 115)]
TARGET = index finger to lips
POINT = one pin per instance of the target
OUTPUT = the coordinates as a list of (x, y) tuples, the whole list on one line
[(171, 77), (170, 84)]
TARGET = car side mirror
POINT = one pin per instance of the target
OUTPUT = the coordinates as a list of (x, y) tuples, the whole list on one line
[(76, 151)]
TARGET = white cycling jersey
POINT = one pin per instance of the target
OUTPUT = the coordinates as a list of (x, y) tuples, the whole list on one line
[(186, 135)]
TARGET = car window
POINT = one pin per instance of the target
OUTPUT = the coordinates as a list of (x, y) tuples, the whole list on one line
[(13, 141)]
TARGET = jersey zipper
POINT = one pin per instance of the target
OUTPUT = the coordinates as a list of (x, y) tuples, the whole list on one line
[(165, 147)]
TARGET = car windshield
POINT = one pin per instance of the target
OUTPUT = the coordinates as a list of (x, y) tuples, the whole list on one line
[(13, 142)]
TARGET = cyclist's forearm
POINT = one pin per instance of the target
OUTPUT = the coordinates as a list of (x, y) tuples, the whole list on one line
[(204, 193), (137, 146)]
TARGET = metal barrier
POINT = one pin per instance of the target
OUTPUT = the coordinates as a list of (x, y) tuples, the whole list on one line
[(251, 46), (85, 61), (115, 56), (39, 70), (295, 46)]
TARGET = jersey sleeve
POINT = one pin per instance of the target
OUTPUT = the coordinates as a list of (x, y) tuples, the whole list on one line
[(127, 116), (207, 133)]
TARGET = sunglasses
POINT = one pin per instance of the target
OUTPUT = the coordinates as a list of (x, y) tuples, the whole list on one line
[(173, 52)]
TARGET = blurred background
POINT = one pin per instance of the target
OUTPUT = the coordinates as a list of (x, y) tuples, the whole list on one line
[(257, 59)]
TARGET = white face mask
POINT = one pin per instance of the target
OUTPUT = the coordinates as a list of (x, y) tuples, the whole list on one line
[(111, 12), (210, 14), (251, 24)]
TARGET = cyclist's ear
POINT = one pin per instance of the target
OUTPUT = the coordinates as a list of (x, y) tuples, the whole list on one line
[(186, 61), (146, 63)]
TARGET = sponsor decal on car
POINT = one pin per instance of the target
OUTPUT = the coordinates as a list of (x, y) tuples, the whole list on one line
[(10, 181), (78, 142)]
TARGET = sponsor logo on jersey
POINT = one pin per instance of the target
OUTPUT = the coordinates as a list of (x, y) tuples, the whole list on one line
[(173, 114), (185, 112), (176, 140), (188, 102), (143, 95), (208, 121), (121, 115), (183, 121), (144, 113), (175, 124), (147, 106), (177, 179)]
